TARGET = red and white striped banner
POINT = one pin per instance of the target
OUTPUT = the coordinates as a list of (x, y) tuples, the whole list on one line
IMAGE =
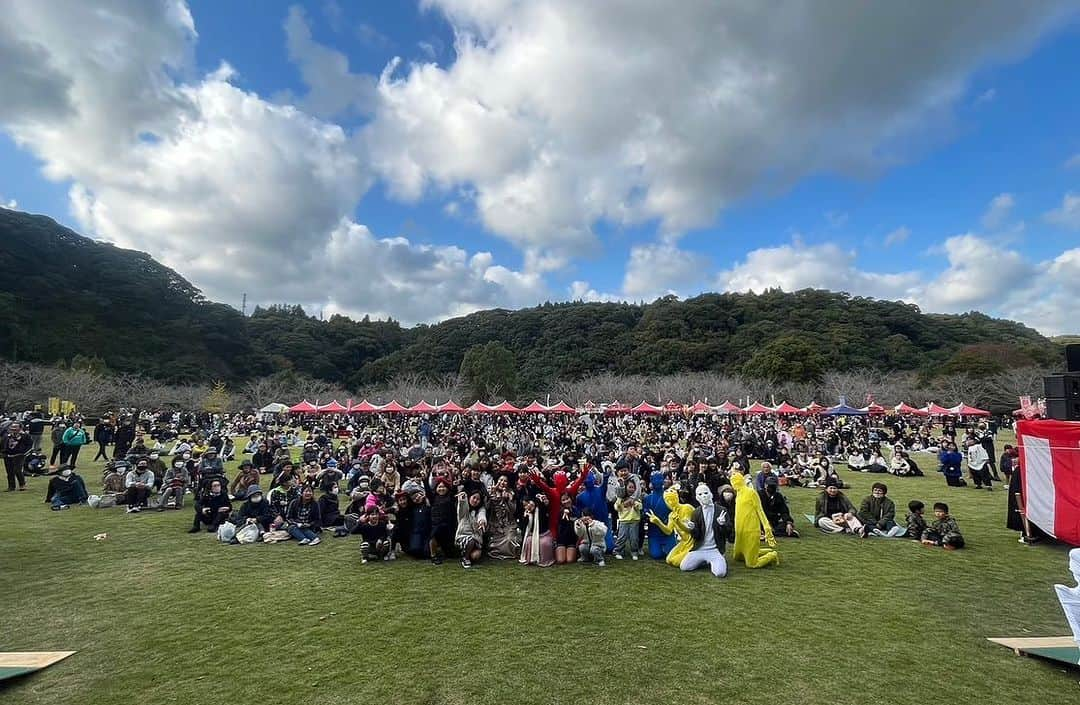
[(1050, 472)]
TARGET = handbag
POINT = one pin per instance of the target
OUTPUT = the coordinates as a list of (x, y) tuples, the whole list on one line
[(226, 532), (249, 533)]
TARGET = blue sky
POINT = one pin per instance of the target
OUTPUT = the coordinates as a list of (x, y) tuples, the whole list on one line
[(517, 153)]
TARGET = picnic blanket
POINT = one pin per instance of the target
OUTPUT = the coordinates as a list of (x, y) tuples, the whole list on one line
[(19, 663)]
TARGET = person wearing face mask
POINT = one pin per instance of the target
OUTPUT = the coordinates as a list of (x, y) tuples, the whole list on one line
[(329, 506), (708, 527), (255, 510), (174, 485), (776, 509), (65, 489), (212, 507), (138, 483)]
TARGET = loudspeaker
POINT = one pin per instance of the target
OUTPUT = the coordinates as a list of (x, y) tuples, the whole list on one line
[(1072, 357), (1063, 409), (1066, 386)]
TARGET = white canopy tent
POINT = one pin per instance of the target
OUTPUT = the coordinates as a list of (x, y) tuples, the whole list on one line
[(274, 408)]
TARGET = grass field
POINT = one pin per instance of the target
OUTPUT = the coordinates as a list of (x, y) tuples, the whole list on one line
[(161, 616)]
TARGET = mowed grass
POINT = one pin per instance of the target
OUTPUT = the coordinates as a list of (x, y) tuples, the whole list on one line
[(161, 616)]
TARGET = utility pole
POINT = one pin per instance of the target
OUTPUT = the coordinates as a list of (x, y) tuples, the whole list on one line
[(243, 305)]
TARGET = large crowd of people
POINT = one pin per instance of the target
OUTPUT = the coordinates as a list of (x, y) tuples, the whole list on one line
[(539, 489)]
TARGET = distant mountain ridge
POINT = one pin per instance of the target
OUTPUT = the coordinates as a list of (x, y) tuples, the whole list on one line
[(63, 295)]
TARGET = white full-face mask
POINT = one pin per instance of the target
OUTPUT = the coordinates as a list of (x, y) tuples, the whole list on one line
[(703, 495), (66, 472)]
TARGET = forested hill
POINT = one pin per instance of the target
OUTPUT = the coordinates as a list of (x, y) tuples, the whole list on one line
[(63, 295)]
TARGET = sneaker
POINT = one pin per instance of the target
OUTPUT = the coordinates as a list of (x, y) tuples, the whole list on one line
[(466, 563), (363, 561), (601, 564), (304, 542), (581, 559), (618, 556), (633, 556), (392, 556), (132, 510), (64, 506), (315, 541)]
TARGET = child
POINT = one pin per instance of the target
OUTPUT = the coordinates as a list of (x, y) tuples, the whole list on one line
[(944, 530), (629, 524), (916, 524), (374, 538), (593, 538), (471, 524)]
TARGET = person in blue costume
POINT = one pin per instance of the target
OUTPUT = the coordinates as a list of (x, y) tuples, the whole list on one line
[(594, 497), (660, 545)]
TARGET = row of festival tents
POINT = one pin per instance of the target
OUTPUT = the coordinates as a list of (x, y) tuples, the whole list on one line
[(699, 407)]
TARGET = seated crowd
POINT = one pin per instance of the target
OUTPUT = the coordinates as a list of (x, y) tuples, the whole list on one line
[(539, 489)]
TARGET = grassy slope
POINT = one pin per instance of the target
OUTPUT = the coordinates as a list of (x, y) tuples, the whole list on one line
[(157, 613)]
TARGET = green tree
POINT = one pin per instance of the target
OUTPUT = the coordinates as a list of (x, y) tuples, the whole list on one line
[(786, 359), (490, 371)]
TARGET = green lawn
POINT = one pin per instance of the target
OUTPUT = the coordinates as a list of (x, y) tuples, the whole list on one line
[(158, 615)]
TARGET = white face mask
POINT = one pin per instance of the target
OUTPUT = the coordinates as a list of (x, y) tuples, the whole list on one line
[(703, 495), (256, 500), (65, 473), (728, 496)]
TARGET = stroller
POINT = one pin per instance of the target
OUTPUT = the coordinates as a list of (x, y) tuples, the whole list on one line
[(36, 464)]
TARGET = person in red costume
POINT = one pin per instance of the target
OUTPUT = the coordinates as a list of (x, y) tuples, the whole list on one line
[(556, 491)]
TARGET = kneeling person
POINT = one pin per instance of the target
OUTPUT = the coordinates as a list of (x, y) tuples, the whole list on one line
[(708, 528)]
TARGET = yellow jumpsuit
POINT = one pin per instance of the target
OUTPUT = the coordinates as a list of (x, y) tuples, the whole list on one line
[(680, 514), (750, 521)]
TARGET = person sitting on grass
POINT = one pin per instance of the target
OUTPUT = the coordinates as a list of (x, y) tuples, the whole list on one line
[(592, 538), (281, 497), (65, 489), (247, 477), (174, 485), (255, 510), (330, 506), (212, 507), (833, 511), (138, 483), (304, 518), (878, 514), (374, 537), (471, 525), (916, 523), (943, 530), (776, 509), (443, 517)]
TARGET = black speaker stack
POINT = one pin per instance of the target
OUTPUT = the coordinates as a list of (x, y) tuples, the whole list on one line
[(1062, 391)]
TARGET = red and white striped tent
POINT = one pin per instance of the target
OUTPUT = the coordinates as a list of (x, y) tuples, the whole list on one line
[(1050, 475)]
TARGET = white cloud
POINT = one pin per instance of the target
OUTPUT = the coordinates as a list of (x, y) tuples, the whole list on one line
[(897, 236), (562, 114), (980, 275), (998, 212), (1067, 215), (656, 270), (1073, 162), (11, 204), (332, 88)]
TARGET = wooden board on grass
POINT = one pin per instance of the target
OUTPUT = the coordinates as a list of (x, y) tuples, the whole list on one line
[(1062, 649), (18, 663)]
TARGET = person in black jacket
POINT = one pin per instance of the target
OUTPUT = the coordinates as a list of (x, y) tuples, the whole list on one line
[(66, 488), (36, 427), (255, 510), (443, 521), (16, 444), (212, 508), (103, 436), (123, 438), (708, 528), (776, 509), (304, 518)]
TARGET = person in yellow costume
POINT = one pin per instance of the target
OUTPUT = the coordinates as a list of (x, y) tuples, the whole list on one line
[(750, 522), (680, 514)]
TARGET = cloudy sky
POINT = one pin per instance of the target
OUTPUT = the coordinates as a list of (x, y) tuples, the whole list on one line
[(426, 159)]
